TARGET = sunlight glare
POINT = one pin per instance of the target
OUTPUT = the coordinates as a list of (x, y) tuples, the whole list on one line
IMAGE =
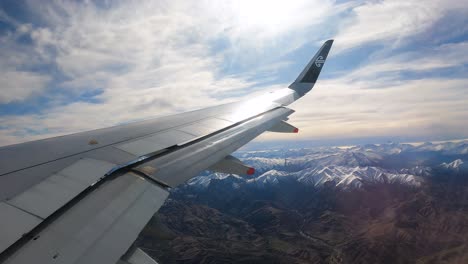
[(270, 17)]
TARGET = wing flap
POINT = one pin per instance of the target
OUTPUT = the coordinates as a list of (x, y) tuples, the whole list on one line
[(232, 165), (55, 191), (15, 223), (48, 196), (136, 256), (98, 229)]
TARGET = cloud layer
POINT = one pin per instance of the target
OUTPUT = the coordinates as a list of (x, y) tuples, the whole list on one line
[(69, 66)]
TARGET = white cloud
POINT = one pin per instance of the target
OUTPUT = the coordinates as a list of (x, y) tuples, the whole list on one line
[(264, 20), (392, 21), (435, 58), (18, 85)]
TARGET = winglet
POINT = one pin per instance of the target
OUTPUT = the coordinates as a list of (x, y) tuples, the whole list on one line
[(306, 80)]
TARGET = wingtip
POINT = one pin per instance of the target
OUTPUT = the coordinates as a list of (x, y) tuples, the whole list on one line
[(309, 75)]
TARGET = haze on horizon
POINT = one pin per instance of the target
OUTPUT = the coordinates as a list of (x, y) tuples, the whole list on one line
[(398, 69)]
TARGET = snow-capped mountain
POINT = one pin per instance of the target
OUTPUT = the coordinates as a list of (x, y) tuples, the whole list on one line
[(205, 180), (417, 171), (345, 167), (340, 176), (454, 165), (354, 176), (268, 178)]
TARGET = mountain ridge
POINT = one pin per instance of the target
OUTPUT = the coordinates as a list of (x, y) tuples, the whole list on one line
[(389, 203)]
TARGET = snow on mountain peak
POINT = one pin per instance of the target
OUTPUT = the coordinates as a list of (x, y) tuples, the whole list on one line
[(269, 177), (353, 176), (452, 165), (205, 180)]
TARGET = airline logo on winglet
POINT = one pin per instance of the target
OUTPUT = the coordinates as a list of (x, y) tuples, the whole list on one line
[(319, 61)]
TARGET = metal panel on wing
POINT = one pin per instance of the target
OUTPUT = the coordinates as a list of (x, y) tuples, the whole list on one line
[(15, 223), (249, 109), (127, 227), (110, 154), (87, 171), (136, 256), (17, 182), (205, 127), (215, 123), (155, 143), (55, 191), (49, 195)]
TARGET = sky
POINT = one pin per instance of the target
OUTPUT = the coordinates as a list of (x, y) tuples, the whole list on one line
[(397, 70)]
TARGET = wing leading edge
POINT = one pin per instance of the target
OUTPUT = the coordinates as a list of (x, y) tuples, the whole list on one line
[(85, 197)]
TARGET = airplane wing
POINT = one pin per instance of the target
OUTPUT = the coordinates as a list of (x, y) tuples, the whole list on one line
[(85, 197)]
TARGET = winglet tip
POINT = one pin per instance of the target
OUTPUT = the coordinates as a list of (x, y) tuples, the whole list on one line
[(309, 75)]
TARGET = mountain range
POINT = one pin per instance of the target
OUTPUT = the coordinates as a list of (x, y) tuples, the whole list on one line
[(346, 168), (386, 203)]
